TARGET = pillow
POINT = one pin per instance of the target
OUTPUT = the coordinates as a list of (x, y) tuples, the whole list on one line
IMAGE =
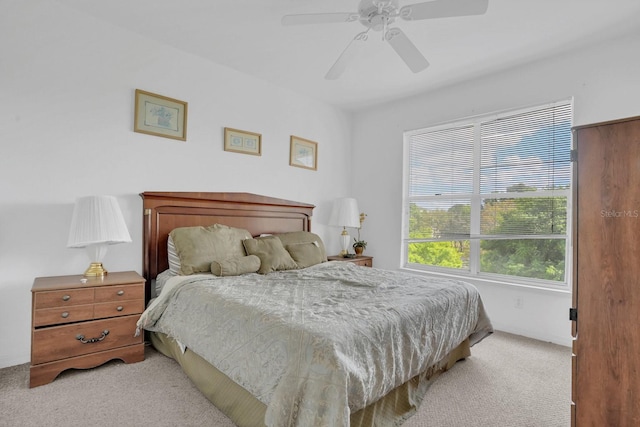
[(303, 237), (161, 279), (198, 247), (236, 266), (305, 254), (273, 256), (174, 260)]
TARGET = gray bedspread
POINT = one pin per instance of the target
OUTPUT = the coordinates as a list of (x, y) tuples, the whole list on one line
[(318, 343)]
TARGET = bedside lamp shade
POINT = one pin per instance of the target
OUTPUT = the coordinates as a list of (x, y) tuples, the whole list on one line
[(345, 214), (96, 223)]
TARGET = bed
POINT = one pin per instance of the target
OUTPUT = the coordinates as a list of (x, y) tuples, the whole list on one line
[(304, 345)]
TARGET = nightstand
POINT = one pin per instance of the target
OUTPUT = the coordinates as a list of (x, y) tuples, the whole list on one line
[(363, 260), (83, 325)]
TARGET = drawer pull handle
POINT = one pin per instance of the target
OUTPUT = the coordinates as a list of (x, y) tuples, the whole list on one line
[(120, 293), (119, 308), (65, 314), (66, 298), (92, 340)]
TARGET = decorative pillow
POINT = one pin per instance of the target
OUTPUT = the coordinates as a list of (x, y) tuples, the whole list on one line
[(305, 254), (273, 256), (198, 247), (236, 266), (303, 237)]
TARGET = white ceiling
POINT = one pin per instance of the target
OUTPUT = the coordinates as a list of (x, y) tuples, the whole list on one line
[(247, 35)]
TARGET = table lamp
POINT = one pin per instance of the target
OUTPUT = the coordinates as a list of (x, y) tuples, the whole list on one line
[(345, 214), (97, 222)]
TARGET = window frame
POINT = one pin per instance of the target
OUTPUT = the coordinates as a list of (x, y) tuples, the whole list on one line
[(475, 199)]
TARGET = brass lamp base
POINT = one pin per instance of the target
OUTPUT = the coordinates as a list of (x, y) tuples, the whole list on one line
[(95, 270)]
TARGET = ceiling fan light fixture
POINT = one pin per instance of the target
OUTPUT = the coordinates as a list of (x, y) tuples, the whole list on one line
[(377, 15), (378, 22)]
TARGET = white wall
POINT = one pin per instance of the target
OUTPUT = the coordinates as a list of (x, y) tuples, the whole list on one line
[(604, 83), (66, 119), (67, 87)]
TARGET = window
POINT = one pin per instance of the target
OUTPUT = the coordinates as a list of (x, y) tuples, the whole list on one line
[(490, 196)]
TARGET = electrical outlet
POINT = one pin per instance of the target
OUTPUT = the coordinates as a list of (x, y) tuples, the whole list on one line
[(518, 302)]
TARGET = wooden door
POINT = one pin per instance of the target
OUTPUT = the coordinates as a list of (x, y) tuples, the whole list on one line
[(607, 284)]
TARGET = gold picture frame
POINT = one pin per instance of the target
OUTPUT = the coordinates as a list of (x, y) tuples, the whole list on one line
[(303, 153), (160, 116), (241, 141)]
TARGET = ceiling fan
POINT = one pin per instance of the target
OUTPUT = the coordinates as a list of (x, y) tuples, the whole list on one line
[(378, 15)]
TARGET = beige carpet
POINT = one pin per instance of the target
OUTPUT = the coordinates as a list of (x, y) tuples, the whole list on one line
[(509, 381)]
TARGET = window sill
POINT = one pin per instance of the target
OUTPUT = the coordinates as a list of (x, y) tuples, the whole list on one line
[(558, 289)]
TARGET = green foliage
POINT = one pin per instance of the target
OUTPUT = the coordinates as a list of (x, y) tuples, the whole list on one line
[(520, 256), (359, 243), (439, 223), (534, 258), (452, 254), (443, 254)]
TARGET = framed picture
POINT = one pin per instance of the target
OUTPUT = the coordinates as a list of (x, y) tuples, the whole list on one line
[(240, 141), (160, 116), (303, 153)]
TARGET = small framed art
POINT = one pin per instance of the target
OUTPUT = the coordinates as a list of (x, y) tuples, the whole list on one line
[(240, 141), (303, 153), (160, 116)]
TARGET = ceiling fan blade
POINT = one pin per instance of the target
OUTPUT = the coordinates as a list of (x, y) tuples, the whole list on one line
[(443, 9), (346, 56), (319, 18), (406, 49)]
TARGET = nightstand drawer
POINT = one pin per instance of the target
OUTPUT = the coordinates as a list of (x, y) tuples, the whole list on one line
[(365, 262), (62, 342), (118, 308), (362, 260), (59, 315), (119, 293), (64, 298)]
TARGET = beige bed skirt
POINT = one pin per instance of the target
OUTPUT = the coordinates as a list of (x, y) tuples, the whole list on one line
[(246, 411)]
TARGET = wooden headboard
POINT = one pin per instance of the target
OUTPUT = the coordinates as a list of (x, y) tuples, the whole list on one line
[(164, 211)]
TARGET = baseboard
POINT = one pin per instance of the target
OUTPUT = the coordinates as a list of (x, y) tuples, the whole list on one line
[(13, 360), (560, 340)]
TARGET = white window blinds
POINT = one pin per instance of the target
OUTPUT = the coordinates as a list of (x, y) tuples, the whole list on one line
[(441, 162), (481, 190), (527, 152)]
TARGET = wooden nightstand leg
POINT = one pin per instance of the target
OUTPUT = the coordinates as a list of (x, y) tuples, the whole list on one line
[(47, 372)]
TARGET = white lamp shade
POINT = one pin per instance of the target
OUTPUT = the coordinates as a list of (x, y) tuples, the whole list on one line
[(345, 213), (97, 220)]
